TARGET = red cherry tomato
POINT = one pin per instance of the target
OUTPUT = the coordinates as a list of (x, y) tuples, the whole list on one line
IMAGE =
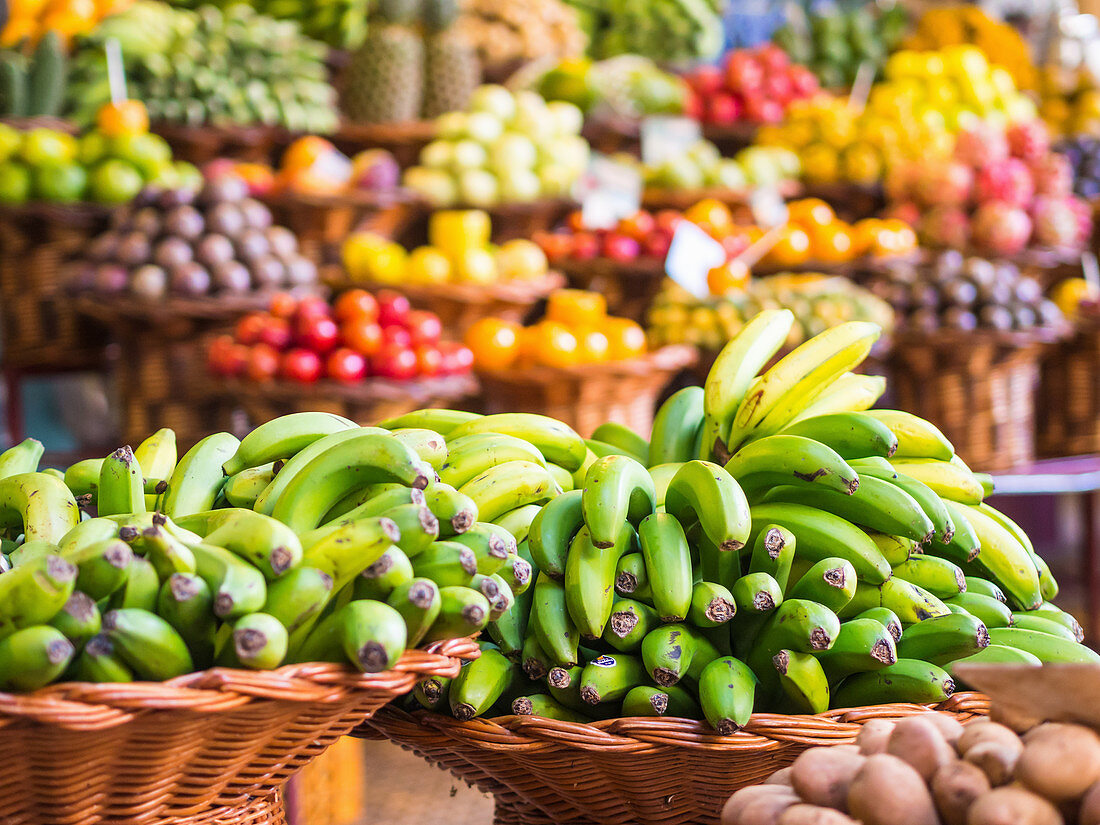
[(319, 334), (302, 365), (395, 362), (313, 307), (397, 335), (429, 361), (346, 365), (248, 329), (226, 357), (276, 333), (263, 363), (457, 358), (424, 328), (356, 303), (361, 335), (393, 307), (283, 305)]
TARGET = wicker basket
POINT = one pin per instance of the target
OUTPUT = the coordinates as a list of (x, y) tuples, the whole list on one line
[(84, 754), (624, 771), (202, 144), (459, 306), (851, 201), (978, 387), (1068, 403), (587, 395), (654, 198), (630, 288), (40, 327), (264, 810), (403, 140)]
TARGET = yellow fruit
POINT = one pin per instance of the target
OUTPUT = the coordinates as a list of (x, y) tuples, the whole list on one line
[(356, 253), (475, 266), (452, 231), (521, 259), (820, 163), (1069, 294), (862, 163), (427, 265)]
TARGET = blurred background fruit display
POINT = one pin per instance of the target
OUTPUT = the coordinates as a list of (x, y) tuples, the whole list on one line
[(576, 330), (32, 82), (818, 302), (1083, 154), (208, 67), (627, 86), (415, 63), (507, 147), (29, 20), (341, 24), (458, 252), (1001, 191), (192, 242), (840, 41), (955, 292), (358, 336), (953, 24), (1070, 101), (750, 85), (702, 166), (506, 33), (668, 31)]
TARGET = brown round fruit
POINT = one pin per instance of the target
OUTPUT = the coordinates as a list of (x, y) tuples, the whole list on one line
[(232, 276), (225, 219), (190, 279), (256, 214), (172, 252), (214, 250)]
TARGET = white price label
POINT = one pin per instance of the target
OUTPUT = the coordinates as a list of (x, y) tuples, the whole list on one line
[(1091, 270), (665, 137), (691, 255), (768, 207), (610, 190), (861, 86)]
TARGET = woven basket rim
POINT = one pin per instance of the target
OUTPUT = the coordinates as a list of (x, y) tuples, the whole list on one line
[(764, 730), (88, 706), (371, 389), (656, 197), (519, 292), (292, 199), (657, 363)]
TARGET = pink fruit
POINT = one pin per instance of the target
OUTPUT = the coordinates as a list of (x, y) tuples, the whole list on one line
[(1052, 174), (743, 71), (722, 108), (906, 211), (1083, 210), (706, 80), (773, 57), (803, 81), (981, 145), (1029, 140), (1006, 180), (946, 226), (762, 110), (1001, 228), (945, 184), (1056, 221), (778, 87), (620, 247)]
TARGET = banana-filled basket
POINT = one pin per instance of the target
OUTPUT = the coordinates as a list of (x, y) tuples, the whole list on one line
[(656, 771), (143, 752)]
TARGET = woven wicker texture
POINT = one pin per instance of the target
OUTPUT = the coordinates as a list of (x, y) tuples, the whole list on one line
[(265, 810), (620, 771), (588, 395), (83, 754), (1068, 402)]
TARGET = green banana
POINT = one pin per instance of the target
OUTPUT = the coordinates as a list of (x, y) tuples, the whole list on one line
[(472, 455), (186, 602), (444, 422), (346, 553), (552, 532), (602, 449), (909, 602), (237, 586), (157, 456), (99, 663), (1056, 614), (428, 444), (796, 624), (772, 552), (39, 506), (198, 478), (673, 702), (632, 577), (140, 588), (102, 567), (849, 434), (462, 612), (539, 704), (930, 503), (985, 588), (244, 488), (895, 549), (561, 477), (803, 682), (508, 631), (943, 639), (282, 438), (884, 616), (557, 442), (504, 599), (22, 458), (1002, 558), (78, 619), (673, 651), (298, 597), (851, 392), (1047, 584), (167, 553), (508, 486), (1049, 649), (668, 564), (455, 511), (148, 644), (617, 489), (518, 522), (677, 428), (379, 579), (988, 610), (621, 436), (994, 655), (533, 659), (916, 437), (551, 623), (517, 572), (947, 480), (830, 582), (862, 645), (82, 478), (1027, 621), (371, 500), (480, 684), (820, 535), (259, 642), (712, 605), (791, 460), (907, 680), (432, 692), (756, 596), (590, 579), (33, 657), (416, 527), (121, 487), (939, 577), (727, 694), (610, 676), (662, 475), (32, 593), (564, 685), (372, 634), (447, 563), (492, 546), (272, 547), (705, 492), (630, 622)]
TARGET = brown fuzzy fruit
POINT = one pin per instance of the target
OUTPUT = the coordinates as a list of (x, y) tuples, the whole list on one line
[(918, 741), (1060, 762), (997, 760), (955, 787), (874, 735), (888, 791), (983, 730), (813, 815), (1012, 805), (821, 776)]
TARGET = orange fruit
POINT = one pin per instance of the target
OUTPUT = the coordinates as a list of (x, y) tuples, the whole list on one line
[(304, 152), (625, 339), (127, 117), (427, 265), (792, 248), (809, 212), (831, 243), (731, 276), (592, 346), (904, 240), (494, 343), (576, 308), (864, 233), (551, 344), (711, 213)]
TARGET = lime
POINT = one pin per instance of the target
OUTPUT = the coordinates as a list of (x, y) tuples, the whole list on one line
[(149, 153), (60, 182), (188, 175), (10, 140), (15, 183), (115, 181), (94, 147), (43, 146)]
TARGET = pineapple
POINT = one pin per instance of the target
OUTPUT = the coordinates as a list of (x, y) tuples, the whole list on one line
[(451, 67), (385, 80)]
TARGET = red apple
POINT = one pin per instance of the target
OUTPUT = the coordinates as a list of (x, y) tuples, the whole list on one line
[(762, 110), (425, 328), (395, 335), (586, 246), (743, 72), (395, 362), (773, 58), (393, 307), (302, 365), (620, 247), (263, 363), (706, 80), (276, 333), (226, 357), (723, 109), (317, 334), (778, 87), (656, 245), (457, 358), (346, 365), (693, 104), (803, 81), (313, 306), (429, 361), (248, 329)]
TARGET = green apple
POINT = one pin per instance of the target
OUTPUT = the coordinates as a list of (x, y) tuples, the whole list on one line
[(468, 154), (519, 186), (512, 151), (494, 99), (188, 175), (94, 147), (760, 166), (555, 180), (451, 126), (149, 153), (790, 165), (477, 187), (10, 140), (60, 182), (531, 116), (568, 119), (15, 183), (439, 154), (435, 185), (42, 146), (705, 154), (573, 152), (729, 175), (115, 181), (680, 172), (484, 127)]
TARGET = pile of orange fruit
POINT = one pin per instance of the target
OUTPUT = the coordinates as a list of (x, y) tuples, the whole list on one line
[(30, 19), (814, 234), (576, 330)]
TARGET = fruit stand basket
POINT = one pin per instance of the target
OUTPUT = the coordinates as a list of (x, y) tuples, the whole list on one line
[(510, 220), (322, 222), (852, 201), (40, 326), (588, 395), (731, 138), (640, 770), (1069, 393), (461, 305), (978, 387), (202, 144), (264, 810), (654, 198), (82, 754), (403, 140), (630, 287)]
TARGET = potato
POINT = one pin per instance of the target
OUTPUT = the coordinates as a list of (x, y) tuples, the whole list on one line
[(821, 776), (737, 804), (1059, 762), (949, 726), (983, 730), (954, 787), (873, 736), (1090, 806), (814, 815), (1012, 805), (888, 791), (918, 741), (767, 809), (996, 759), (780, 777)]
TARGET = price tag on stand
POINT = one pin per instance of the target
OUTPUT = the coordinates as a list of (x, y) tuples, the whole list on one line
[(665, 137), (1091, 270), (116, 73), (691, 255), (861, 86), (768, 207), (608, 191)]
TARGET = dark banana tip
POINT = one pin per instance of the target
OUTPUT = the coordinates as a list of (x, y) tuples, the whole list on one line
[(223, 605), (118, 554), (665, 677), (60, 570), (731, 546), (882, 652), (84, 500), (159, 518), (58, 651), (416, 496), (819, 639), (462, 521), (422, 594), (379, 568), (626, 582), (473, 613), (559, 677), (521, 571), (432, 689), (280, 560), (468, 561), (659, 703), (590, 695), (498, 548), (428, 522), (835, 577), (249, 641), (982, 639), (373, 657), (774, 542), (278, 465), (719, 610), (763, 601), (421, 482), (948, 686), (522, 706), (727, 727), (128, 533), (781, 661), (390, 529), (110, 620), (622, 622), (488, 588), (160, 489), (99, 645), (463, 712), (183, 588), (80, 606), (534, 669)]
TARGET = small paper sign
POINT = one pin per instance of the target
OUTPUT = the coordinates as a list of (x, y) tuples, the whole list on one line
[(116, 74), (665, 137), (861, 86), (1091, 270), (768, 207), (608, 191), (691, 255)]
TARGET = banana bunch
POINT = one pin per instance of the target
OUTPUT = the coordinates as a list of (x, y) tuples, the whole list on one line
[(774, 545)]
